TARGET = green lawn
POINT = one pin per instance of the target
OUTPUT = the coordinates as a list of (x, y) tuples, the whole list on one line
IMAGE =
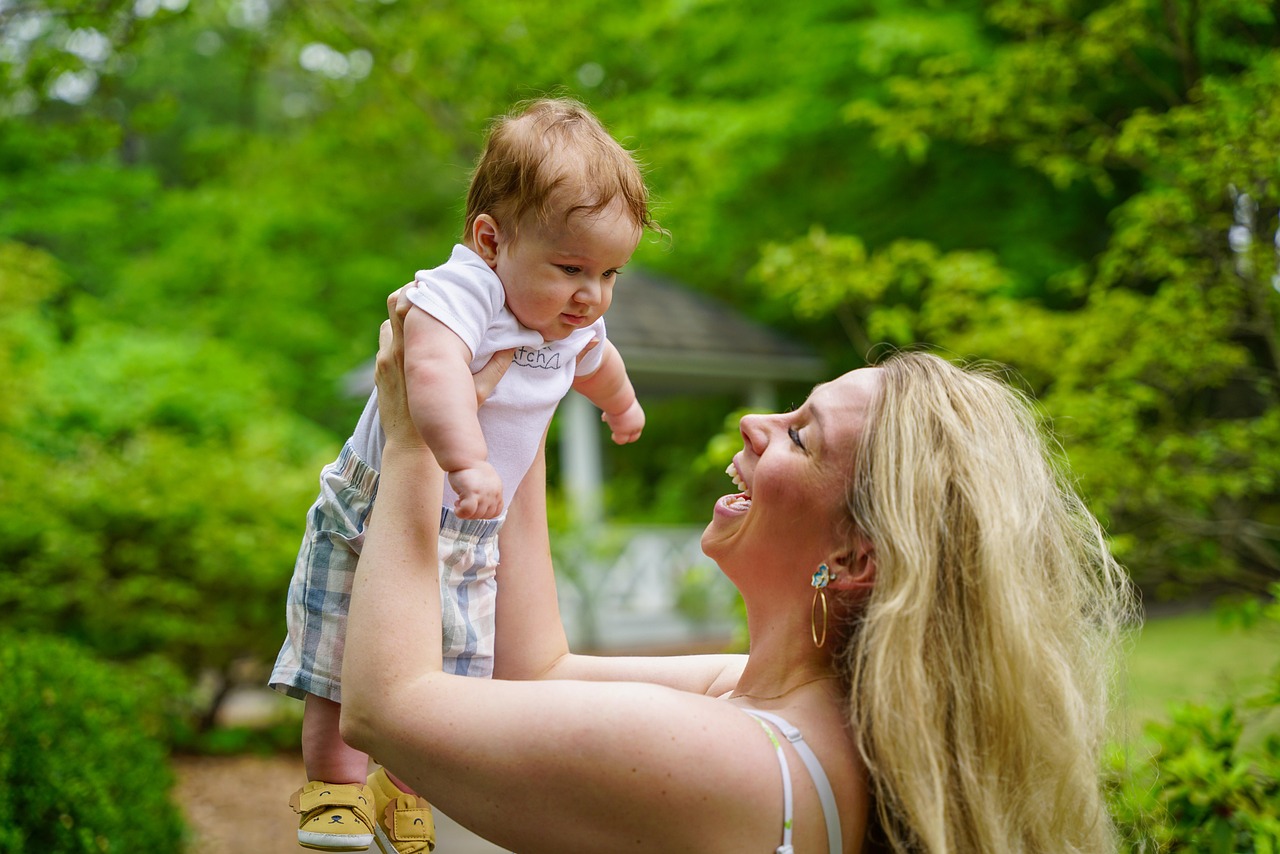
[(1192, 657)]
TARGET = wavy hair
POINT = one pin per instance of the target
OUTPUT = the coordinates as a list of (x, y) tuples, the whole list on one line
[(981, 663)]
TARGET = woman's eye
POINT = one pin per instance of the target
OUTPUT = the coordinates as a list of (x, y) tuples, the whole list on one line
[(795, 437)]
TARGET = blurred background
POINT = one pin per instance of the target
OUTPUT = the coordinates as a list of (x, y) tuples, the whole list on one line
[(204, 202)]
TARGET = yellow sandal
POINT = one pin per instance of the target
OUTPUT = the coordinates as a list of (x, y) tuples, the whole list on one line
[(405, 824), (335, 817)]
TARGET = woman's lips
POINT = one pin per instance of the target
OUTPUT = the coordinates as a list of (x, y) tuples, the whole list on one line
[(733, 505)]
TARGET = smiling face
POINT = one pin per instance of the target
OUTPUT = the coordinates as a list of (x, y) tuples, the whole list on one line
[(559, 278), (793, 470)]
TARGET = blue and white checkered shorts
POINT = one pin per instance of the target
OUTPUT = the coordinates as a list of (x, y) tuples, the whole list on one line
[(310, 661)]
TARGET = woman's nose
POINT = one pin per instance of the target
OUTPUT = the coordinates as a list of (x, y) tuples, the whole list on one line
[(755, 432)]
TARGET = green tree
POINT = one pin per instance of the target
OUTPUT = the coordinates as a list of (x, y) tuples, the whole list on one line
[(156, 484), (1157, 357)]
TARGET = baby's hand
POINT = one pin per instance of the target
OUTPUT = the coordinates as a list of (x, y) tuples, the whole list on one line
[(627, 424), (479, 491)]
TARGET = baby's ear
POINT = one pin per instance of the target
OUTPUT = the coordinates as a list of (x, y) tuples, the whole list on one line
[(485, 237)]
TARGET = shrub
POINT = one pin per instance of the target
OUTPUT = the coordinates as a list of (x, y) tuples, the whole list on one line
[(83, 761), (162, 484), (1200, 792), (1207, 787)]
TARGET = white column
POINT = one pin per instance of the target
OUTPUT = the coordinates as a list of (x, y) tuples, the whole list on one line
[(762, 396), (580, 458)]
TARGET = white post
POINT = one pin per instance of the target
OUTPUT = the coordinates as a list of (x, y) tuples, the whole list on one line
[(580, 458), (762, 396)]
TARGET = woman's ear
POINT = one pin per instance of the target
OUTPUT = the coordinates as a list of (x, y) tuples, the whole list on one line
[(485, 238), (855, 569)]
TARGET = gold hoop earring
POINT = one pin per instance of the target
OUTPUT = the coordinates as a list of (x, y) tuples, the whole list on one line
[(821, 579)]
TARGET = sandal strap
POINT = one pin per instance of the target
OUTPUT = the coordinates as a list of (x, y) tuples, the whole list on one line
[(348, 795), (411, 822)]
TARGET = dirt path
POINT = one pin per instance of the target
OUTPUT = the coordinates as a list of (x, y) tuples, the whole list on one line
[(240, 805)]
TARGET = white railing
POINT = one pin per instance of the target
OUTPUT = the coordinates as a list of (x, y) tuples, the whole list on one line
[(643, 588)]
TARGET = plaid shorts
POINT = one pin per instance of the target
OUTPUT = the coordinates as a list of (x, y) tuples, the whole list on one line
[(310, 661)]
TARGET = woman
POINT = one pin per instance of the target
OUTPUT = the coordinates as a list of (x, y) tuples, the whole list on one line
[(928, 606)]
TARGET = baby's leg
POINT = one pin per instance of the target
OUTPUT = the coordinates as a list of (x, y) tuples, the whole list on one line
[(326, 756), (338, 809)]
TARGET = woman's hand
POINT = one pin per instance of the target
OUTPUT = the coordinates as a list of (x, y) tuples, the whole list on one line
[(388, 375), (393, 402)]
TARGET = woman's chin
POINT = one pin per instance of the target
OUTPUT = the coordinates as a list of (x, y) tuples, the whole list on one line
[(729, 510)]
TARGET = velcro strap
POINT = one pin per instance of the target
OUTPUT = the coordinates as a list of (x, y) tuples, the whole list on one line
[(414, 824), (349, 796)]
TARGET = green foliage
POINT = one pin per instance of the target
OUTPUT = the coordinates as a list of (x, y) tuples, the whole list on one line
[(270, 740), (1204, 788), (1158, 357), (83, 766), (1198, 792), (161, 488)]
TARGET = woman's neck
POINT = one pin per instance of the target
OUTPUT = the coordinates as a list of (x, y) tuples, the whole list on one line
[(783, 658)]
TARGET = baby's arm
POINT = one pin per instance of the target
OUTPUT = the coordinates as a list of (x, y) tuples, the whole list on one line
[(609, 388), (442, 401)]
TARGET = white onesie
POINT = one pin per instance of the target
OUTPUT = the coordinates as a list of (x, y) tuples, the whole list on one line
[(465, 295)]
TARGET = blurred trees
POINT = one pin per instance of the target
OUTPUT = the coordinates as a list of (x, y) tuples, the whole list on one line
[(1156, 357), (202, 205)]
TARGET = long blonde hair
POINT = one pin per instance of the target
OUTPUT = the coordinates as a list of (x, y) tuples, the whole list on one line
[(981, 664)]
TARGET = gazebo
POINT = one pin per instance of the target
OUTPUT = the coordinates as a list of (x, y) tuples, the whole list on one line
[(676, 341)]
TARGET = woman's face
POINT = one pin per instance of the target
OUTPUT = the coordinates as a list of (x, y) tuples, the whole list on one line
[(793, 470)]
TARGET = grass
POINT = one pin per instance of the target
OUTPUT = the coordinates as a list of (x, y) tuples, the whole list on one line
[(1192, 657)]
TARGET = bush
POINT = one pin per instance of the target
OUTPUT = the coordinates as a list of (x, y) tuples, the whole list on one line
[(1206, 788), (83, 761), (1200, 792)]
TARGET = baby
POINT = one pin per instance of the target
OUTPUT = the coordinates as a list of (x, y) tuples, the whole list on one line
[(555, 209)]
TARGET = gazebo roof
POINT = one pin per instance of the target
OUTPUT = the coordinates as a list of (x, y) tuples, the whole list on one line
[(675, 339)]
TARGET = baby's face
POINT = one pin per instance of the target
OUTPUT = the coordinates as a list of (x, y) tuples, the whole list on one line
[(560, 278)]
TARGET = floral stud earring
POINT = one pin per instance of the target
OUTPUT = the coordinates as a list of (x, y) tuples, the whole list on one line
[(822, 577)]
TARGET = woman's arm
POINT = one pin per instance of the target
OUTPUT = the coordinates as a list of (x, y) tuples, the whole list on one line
[(535, 766), (531, 643)]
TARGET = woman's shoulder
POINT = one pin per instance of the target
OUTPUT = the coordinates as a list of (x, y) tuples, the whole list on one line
[(819, 721)]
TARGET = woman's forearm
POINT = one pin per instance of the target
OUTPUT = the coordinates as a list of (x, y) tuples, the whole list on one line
[(393, 628), (711, 674), (531, 642)]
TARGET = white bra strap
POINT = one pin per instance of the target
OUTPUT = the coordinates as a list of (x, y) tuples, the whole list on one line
[(816, 771), (785, 847)]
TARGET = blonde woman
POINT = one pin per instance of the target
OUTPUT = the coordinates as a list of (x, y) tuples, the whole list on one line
[(932, 617)]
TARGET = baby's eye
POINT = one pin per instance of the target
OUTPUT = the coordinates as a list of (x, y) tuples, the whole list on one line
[(795, 437), (571, 269), (609, 274)]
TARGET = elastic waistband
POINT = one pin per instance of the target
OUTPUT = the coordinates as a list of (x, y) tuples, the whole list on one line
[(355, 471), (468, 529)]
